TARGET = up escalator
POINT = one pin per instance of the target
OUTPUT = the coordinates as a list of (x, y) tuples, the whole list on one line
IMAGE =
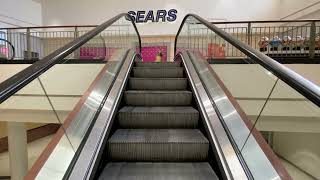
[(145, 120), (158, 132)]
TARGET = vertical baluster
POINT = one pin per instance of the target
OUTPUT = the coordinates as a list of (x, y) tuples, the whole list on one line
[(269, 35), (249, 33), (232, 47), (295, 34), (301, 34), (207, 42)]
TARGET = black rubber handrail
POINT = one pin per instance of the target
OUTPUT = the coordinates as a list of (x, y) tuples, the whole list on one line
[(21, 79), (12, 48), (305, 87)]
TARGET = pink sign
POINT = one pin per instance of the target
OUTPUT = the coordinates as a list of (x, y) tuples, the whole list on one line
[(149, 53), (96, 52), (4, 50), (92, 52)]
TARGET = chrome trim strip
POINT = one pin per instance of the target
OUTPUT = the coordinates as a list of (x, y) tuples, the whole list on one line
[(217, 135), (83, 167)]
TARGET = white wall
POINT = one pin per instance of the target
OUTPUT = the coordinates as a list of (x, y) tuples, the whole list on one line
[(294, 9), (61, 12), (20, 13), (300, 149)]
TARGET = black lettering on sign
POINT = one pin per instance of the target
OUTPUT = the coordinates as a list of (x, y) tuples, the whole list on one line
[(132, 14), (172, 15), (140, 16), (149, 17), (161, 14), (153, 16)]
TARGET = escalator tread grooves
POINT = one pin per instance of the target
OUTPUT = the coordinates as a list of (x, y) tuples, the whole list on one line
[(157, 136)]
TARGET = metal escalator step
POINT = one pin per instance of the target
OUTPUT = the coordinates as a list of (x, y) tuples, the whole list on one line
[(158, 98), (158, 64), (151, 72), (158, 117), (158, 83), (158, 171), (158, 145)]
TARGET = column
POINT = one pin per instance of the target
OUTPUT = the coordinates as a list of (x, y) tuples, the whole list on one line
[(18, 154)]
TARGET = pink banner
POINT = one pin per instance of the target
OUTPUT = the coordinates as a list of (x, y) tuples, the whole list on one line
[(96, 52), (149, 53)]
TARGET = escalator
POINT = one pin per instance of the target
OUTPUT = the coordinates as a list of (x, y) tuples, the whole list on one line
[(148, 120), (155, 124), (158, 134)]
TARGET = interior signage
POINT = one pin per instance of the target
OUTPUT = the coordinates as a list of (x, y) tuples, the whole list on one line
[(154, 16)]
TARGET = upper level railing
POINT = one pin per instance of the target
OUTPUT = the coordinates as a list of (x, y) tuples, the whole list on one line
[(34, 43), (287, 38), (263, 101)]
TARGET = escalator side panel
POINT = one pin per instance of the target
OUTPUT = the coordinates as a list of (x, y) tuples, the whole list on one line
[(85, 166), (229, 162)]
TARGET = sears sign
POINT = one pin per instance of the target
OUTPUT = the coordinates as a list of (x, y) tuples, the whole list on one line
[(154, 16)]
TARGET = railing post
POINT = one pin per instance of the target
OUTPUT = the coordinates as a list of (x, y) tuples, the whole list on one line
[(249, 33), (28, 37), (189, 36), (76, 35), (312, 40), (10, 38), (76, 32)]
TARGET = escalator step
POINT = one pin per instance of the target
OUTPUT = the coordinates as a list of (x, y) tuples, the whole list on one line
[(157, 64), (158, 117), (157, 83), (162, 145), (151, 72), (158, 98), (158, 171)]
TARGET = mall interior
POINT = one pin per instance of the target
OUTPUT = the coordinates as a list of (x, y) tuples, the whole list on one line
[(160, 90)]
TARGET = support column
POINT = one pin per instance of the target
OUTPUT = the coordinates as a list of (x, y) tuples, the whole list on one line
[(18, 153)]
